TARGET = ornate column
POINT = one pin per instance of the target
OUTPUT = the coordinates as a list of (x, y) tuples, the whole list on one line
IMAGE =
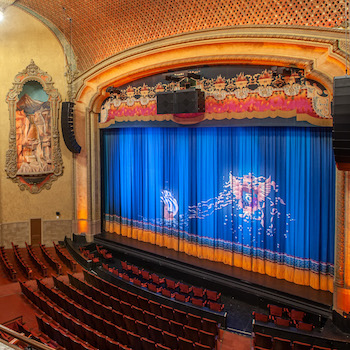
[(341, 296)]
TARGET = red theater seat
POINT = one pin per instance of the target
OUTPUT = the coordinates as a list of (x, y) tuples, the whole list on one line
[(162, 347), (177, 328), (282, 322), (301, 346), (130, 324), (296, 315), (260, 317), (181, 297), (198, 302), (180, 316), (281, 344), (184, 288), (155, 278), (198, 346), (153, 288), (156, 334), (210, 326), (262, 341), (165, 292), (213, 295), (198, 292), (148, 344), (305, 326), (150, 318), (163, 323), (142, 329), (155, 307), (215, 306), (170, 340), (191, 333), (275, 311), (137, 313), (167, 312), (194, 321), (134, 341), (135, 270), (185, 344), (125, 266), (145, 275), (171, 284)]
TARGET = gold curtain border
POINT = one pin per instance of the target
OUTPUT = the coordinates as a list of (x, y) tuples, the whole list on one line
[(290, 274)]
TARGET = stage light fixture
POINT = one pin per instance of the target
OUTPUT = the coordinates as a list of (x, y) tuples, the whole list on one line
[(113, 90)]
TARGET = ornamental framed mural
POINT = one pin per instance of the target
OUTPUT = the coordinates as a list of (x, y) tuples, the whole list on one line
[(34, 158)]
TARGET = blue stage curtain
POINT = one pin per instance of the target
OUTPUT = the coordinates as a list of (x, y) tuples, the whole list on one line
[(258, 198)]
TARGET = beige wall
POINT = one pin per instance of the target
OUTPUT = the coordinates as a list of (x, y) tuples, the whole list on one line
[(22, 38)]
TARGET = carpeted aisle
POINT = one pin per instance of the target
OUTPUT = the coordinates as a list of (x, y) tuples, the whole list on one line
[(232, 341)]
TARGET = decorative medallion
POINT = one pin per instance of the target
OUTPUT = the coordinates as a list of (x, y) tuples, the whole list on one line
[(34, 158)]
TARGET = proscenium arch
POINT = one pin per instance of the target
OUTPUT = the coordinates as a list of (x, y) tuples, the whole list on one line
[(320, 57)]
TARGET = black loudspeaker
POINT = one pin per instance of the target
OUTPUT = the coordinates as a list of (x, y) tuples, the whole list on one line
[(79, 239), (189, 101), (68, 127), (341, 121), (165, 102)]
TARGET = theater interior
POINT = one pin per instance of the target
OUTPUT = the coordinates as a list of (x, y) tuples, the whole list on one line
[(175, 174)]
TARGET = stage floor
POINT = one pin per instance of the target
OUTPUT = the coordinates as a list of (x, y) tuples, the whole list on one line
[(236, 275)]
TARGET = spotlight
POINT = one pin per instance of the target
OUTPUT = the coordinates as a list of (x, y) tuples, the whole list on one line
[(113, 90)]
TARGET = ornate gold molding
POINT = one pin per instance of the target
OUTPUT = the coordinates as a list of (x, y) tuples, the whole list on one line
[(37, 180)]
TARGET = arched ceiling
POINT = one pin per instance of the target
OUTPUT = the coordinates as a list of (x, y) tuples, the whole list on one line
[(101, 29)]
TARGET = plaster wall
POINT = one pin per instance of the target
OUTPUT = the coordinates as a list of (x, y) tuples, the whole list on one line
[(22, 38)]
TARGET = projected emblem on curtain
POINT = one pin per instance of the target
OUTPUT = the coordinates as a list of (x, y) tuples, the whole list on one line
[(257, 198)]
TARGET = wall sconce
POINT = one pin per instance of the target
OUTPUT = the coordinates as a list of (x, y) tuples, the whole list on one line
[(58, 214)]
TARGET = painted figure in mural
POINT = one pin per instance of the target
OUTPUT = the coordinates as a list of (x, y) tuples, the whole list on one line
[(33, 136)]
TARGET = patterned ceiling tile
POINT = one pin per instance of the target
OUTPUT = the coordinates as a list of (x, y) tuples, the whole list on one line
[(104, 28)]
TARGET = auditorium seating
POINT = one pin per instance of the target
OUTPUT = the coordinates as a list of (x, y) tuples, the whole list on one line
[(262, 341), (305, 326), (271, 338), (275, 311), (284, 317), (171, 289), (53, 262), (65, 257), (72, 323), (88, 255), (301, 346), (11, 272), (38, 263), (281, 344), (143, 312), (295, 315), (260, 317), (106, 255), (23, 265), (61, 335), (215, 306), (279, 321), (125, 332)]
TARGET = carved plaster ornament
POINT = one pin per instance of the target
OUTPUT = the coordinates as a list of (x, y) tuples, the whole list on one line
[(34, 158)]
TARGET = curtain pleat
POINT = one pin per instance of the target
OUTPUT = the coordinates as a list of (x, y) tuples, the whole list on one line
[(257, 198)]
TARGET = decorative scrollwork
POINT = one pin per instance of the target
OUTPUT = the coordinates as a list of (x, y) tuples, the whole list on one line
[(34, 158)]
